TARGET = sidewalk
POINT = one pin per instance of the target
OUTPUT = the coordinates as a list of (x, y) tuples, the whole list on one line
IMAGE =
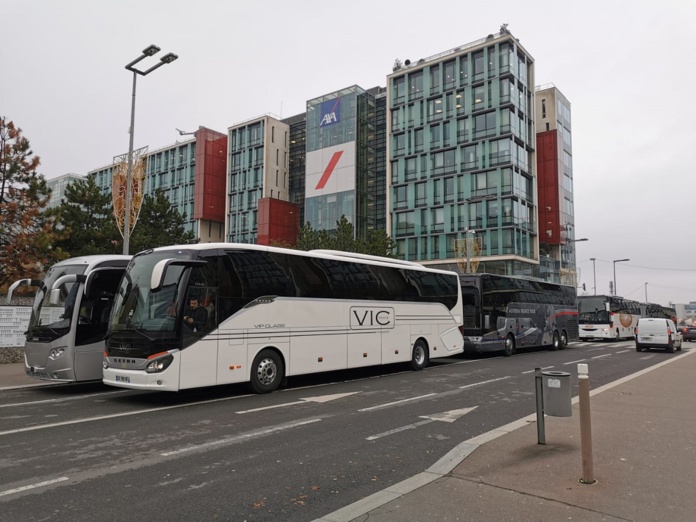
[(12, 376), (643, 451)]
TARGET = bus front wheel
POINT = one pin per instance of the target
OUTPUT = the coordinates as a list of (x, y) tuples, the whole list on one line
[(419, 356), (509, 345), (266, 372)]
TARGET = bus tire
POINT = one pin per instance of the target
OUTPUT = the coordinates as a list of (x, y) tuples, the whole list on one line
[(564, 340), (509, 346), (267, 371), (556, 342), (419, 355)]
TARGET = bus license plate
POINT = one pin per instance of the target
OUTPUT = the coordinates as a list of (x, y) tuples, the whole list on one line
[(120, 378)]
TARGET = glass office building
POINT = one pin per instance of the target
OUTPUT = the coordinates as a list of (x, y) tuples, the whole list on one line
[(340, 168), (462, 157)]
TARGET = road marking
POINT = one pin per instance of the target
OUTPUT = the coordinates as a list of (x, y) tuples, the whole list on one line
[(238, 438), (447, 416), (532, 371), (484, 382), (600, 356), (117, 415), (63, 399), (32, 486), (321, 399), (624, 351), (574, 362), (398, 430), (397, 402)]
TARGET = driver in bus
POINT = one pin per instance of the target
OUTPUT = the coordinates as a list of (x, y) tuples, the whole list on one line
[(195, 316)]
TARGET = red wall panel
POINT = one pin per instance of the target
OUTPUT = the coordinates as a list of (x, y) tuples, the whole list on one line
[(278, 222), (548, 187)]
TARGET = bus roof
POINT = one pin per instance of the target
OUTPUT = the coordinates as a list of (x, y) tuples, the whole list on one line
[(325, 254)]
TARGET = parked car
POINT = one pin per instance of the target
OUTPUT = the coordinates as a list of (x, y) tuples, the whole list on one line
[(657, 333), (688, 333)]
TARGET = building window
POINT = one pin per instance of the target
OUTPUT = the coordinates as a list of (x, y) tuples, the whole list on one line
[(415, 85), (449, 74), (434, 79), (477, 59)]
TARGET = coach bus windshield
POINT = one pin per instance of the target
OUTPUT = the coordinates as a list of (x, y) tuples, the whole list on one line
[(51, 321), (137, 307), (592, 310)]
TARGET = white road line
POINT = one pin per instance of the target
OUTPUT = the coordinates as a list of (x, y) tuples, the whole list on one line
[(397, 430), (484, 382), (63, 399), (116, 415), (624, 351), (532, 371), (32, 486), (600, 356), (238, 438), (575, 362), (397, 402)]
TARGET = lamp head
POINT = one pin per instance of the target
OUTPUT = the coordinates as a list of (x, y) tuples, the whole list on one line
[(151, 50), (169, 57)]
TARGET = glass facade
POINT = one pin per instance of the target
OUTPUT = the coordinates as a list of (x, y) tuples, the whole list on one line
[(343, 121), (257, 167), (461, 156)]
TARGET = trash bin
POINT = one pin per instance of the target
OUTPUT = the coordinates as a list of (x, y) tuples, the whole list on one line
[(557, 394)]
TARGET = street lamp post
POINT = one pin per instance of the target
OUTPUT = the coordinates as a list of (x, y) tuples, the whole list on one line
[(594, 275), (646, 293), (617, 261), (167, 58)]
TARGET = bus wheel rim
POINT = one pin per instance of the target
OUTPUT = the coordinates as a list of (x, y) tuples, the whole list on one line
[(266, 371)]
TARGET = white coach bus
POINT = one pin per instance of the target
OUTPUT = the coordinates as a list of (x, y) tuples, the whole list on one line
[(70, 316), (271, 313)]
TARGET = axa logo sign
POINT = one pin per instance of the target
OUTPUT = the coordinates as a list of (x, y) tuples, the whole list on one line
[(362, 317), (329, 170), (330, 112)]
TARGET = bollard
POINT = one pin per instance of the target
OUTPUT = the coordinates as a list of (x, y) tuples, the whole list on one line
[(585, 425), (541, 434)]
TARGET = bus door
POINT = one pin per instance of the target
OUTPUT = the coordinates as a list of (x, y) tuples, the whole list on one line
[(199, 354)]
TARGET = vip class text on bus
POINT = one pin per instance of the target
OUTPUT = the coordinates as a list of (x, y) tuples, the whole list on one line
[(212, 314)]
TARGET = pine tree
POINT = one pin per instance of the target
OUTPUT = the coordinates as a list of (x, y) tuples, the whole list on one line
[(85, 223), (159, 224)]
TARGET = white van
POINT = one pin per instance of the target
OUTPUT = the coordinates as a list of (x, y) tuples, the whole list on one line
[(657, 333)]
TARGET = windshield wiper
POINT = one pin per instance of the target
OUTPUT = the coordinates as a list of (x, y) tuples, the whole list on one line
[(142, 333)]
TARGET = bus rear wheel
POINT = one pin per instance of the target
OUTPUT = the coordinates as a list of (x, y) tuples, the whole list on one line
[(266, 372), (556, 342), (564, 340), (419, 356), (509, 346)]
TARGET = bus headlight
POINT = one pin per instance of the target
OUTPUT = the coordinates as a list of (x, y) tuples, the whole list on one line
[(160, 364), (55, 353)]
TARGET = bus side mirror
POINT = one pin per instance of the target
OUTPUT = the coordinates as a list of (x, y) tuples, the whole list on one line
[(160, 270), (486, 322), (54, 297)]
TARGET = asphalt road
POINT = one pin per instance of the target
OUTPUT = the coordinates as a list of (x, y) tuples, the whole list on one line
[(86, 452)]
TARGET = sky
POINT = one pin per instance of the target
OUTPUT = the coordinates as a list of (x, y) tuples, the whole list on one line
[(627, 68)]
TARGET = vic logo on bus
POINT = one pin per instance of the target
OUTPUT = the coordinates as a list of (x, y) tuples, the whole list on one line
[(369, 317), (330, 112)]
